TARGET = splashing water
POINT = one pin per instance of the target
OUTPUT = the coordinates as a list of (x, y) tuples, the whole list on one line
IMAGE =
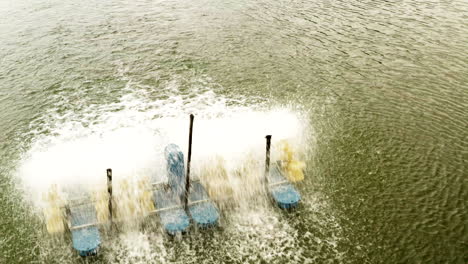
[(73, 148), (228, 148)]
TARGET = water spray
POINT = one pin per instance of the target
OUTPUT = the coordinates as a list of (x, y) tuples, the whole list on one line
[(284, 194)]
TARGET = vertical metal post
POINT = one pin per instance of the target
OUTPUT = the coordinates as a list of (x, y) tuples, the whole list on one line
[(189, 158), (267, 159), (109, 190), (67, 217)]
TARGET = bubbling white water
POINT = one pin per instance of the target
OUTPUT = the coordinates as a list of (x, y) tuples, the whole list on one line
[(131, 140), (76, 147)]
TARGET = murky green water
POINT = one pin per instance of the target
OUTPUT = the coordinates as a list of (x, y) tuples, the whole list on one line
[(382, 87)]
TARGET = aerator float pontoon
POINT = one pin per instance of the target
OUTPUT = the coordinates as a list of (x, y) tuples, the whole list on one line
[(173, 206), (279, 187), (181, 197)]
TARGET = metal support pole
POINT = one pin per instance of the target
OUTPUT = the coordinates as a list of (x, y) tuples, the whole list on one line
[(109, 190), (189, 158), (267, 159), (67, 217)]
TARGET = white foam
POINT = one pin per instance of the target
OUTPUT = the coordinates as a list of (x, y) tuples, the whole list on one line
[(137, 247), (129, 136)]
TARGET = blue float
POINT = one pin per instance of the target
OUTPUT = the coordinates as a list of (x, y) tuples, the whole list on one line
[(201, 209), (281, 190), (171, 212), (85, 234)]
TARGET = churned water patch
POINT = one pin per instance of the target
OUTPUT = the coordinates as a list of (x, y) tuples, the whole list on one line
[(73, 146)]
